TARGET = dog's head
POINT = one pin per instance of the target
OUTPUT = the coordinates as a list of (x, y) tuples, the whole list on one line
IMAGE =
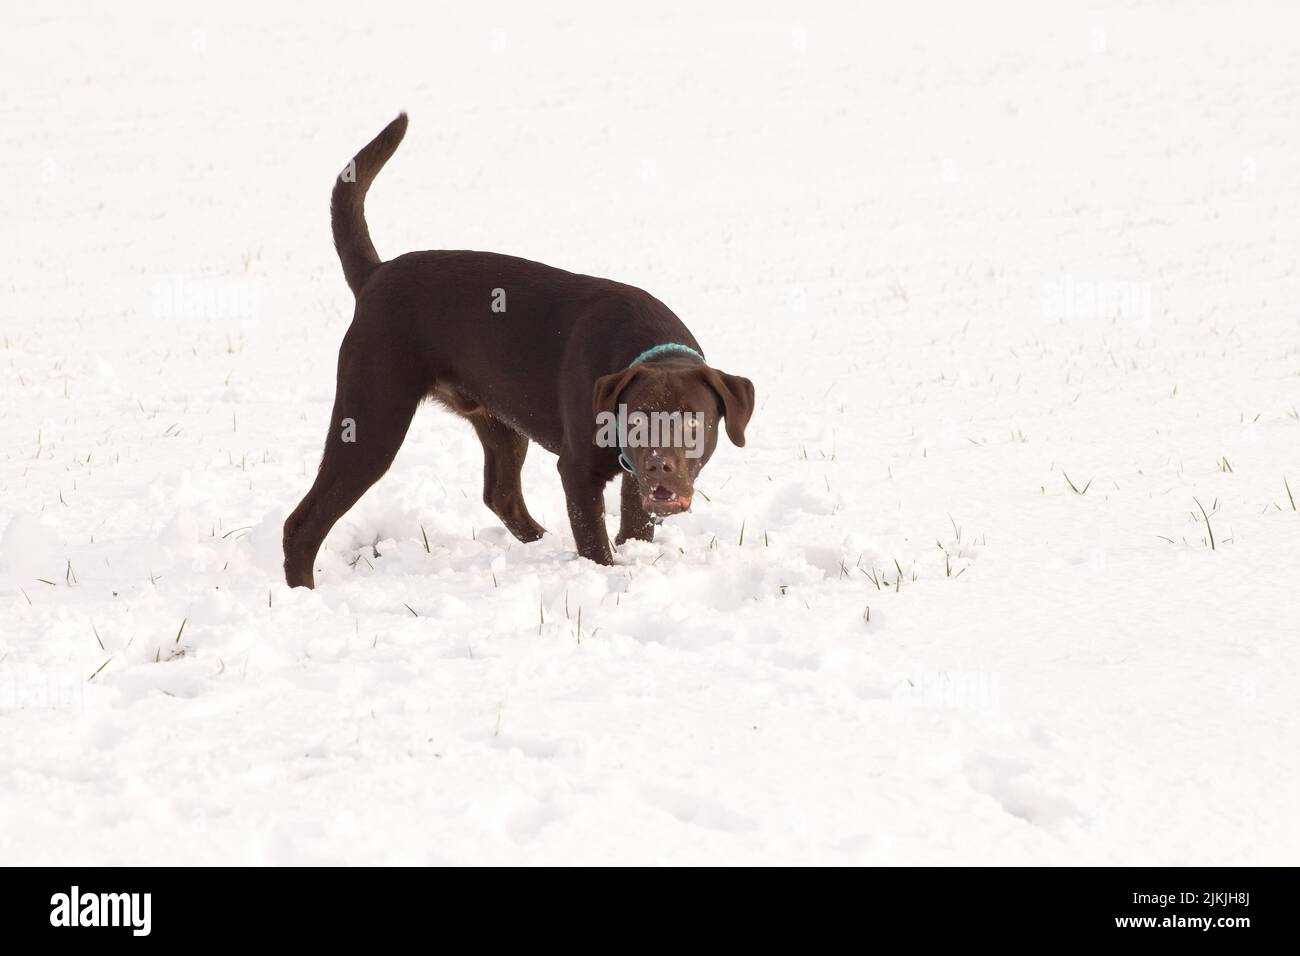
[(669, 415)]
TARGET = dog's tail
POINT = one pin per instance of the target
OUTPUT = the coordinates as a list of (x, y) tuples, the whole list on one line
[(348, 201)]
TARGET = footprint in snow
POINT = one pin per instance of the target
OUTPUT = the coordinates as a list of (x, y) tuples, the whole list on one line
[(698, 811), (1011, 784)]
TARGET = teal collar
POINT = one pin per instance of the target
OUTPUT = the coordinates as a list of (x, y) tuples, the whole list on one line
[(668, 347), (659, 350)]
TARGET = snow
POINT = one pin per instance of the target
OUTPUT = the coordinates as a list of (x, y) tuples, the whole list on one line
[(967, 258)]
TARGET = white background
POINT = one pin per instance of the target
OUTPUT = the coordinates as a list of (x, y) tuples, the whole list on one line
[(967, 257)]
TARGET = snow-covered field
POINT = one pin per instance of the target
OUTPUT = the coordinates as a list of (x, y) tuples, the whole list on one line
[(1017, 289)]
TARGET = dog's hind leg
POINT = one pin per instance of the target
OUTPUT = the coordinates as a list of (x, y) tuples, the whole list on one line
[(376, 399), (503, 458)]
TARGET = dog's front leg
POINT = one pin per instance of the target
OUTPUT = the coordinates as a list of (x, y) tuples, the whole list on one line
[(585, 493), (635, 523)]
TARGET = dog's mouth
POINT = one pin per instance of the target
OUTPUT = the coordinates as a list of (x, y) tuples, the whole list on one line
[(664, 501)]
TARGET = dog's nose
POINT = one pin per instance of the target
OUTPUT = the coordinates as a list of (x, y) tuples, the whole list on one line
[(658, 466)]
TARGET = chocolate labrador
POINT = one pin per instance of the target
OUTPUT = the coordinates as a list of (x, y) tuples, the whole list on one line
[(523, 352)]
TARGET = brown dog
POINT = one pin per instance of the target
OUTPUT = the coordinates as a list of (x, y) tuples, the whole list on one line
[(521, 351)]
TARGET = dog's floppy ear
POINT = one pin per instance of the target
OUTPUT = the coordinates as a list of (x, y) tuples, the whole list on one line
[(737, 394), (605, 395)]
